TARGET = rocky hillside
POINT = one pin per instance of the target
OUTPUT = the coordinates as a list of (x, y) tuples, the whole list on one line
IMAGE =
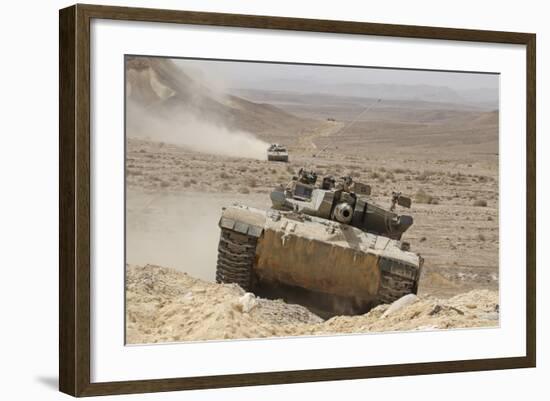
[(162, 88)]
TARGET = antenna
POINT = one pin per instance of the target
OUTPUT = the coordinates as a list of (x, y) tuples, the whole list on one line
[(370, 106)]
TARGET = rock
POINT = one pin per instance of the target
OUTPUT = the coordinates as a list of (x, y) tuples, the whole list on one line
[(456, 310), (427, 327), (490, 316), (247, 302), (401, 303), (435, 310)]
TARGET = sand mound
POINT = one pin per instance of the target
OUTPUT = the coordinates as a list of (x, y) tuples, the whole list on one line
[(165, 305)]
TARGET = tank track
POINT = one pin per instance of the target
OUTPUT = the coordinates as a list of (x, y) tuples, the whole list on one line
[(393, 287), (236, 256)]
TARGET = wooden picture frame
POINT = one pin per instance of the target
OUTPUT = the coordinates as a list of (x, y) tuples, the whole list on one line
[(74, 199)]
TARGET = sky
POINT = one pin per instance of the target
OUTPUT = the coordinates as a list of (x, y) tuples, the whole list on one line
[(251, 75)]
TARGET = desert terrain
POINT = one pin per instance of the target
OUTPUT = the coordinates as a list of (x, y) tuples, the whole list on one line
[(191, 150)]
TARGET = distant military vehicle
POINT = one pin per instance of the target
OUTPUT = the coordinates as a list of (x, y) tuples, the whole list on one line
[(277, 153), (326, 243)]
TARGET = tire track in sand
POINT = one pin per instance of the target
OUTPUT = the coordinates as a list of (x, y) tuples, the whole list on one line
[(325, 129)]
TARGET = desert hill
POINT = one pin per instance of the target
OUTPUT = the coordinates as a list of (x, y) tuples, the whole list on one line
[(164, 97), (160, 88), (482, 97)]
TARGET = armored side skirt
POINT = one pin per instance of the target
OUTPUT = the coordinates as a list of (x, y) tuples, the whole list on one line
[(277, 157), (316, 265)]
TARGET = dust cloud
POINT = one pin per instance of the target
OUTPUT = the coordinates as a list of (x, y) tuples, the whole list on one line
[(178, 230), (165, 103), (185, 129)]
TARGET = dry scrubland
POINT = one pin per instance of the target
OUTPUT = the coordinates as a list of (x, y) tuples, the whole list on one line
[(444, 156)]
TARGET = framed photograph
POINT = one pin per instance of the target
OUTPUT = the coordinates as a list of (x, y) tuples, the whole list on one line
[(250, 200)]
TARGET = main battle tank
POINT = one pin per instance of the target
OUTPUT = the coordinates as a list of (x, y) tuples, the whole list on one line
[(327, 246), (277, 153)]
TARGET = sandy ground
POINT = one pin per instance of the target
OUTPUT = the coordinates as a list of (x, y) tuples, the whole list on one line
[(166, 305)]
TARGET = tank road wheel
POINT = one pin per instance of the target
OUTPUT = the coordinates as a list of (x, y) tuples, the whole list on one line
[(236, 255)]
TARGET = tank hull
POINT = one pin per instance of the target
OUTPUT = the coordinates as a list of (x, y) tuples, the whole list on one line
[(318, 255), (277, 156)]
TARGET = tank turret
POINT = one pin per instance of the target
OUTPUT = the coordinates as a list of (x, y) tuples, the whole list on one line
[(345, 201)]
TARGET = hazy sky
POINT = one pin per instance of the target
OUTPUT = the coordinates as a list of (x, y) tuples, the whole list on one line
[(268, 75)]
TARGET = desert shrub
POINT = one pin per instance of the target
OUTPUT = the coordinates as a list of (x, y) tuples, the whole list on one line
[(399, 170), (224, 175), (252, 182), (481, 237), (374, 175), (482, 178), (193, 181), (458, 177), (480, 202), (164, 184), (425, 175), (423, 197), (244, 190), (389, 176), (186, 184), (290, 169), (355, 174)]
